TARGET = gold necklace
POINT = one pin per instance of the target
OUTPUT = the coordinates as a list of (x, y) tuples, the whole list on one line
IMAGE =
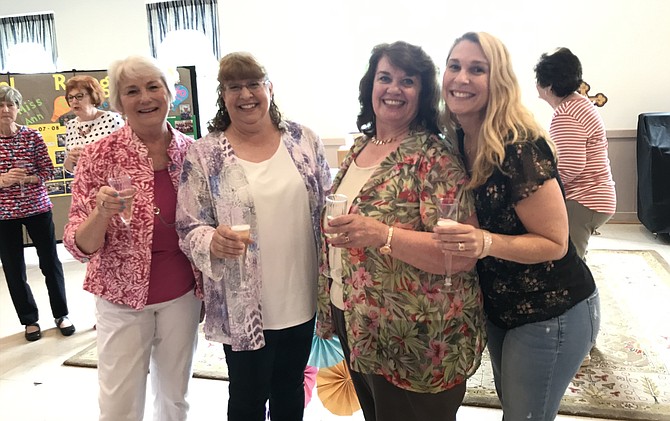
[(157, 212), (380, 142)]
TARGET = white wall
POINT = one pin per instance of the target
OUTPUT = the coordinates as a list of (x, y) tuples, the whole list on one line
[(316, 52)]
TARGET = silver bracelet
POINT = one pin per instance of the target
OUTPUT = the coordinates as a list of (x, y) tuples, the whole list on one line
[(487, 240)]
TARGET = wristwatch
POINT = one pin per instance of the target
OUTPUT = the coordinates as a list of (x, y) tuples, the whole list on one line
[(386, 248)]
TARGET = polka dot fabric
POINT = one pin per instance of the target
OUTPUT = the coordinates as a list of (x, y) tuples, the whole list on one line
[(81, 133)]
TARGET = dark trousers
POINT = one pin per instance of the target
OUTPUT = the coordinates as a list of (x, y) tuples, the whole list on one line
[(382, 401), (41, 230), (275, 372)]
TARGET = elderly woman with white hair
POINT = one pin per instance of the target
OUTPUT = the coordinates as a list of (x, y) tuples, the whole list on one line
[(148, 296)]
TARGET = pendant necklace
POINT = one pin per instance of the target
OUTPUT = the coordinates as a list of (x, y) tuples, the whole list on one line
[(157, 212)]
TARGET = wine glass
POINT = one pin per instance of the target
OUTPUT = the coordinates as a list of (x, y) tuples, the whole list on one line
[(123, 185), (240, 223), (448, 214), (336, 205), (25, 164)]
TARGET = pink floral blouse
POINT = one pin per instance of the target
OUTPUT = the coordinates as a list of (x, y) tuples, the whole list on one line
[(120, 270), (401, 321)]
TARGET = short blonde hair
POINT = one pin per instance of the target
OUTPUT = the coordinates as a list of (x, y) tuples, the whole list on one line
[(134, 67)]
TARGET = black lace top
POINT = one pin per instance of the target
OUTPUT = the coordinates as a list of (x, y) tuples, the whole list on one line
[(515, 293)]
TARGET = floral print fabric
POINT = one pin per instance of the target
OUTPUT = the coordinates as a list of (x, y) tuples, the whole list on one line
[(515, 293), (212, 183), (401, 321), (119, 271)]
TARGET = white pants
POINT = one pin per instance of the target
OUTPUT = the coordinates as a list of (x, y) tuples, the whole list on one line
[(160, 339)]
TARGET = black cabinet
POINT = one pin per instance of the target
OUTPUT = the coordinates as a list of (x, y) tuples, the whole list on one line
[(653, 171)]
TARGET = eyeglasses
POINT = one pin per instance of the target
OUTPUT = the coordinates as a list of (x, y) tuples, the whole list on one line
[(236, 88), (78, 97)]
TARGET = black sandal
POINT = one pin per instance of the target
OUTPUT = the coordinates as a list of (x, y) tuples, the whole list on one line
[(35, 335), (66, 331)]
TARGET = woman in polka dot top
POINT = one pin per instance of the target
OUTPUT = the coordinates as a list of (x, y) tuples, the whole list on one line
[(84, 94)]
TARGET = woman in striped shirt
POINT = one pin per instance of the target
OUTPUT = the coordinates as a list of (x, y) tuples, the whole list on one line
[(579, 135)]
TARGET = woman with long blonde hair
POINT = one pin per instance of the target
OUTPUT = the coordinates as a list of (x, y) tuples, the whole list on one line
[(540, 299)]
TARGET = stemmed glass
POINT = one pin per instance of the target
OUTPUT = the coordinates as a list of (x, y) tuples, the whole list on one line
[(123, 185), (448, 213), (25, 164), (240, 223)]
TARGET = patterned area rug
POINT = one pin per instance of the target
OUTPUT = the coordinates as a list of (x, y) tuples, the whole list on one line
[(629, 374)]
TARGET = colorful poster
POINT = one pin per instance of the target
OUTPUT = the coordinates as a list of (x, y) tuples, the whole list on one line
[(45, 109)]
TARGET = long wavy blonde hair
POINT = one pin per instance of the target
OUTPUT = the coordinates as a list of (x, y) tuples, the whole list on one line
[(506, 119)]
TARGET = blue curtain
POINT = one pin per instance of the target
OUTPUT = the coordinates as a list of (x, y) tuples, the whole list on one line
[(199, 15), (31, 28)]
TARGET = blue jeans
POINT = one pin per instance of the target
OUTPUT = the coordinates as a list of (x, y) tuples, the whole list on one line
[(533, 364)]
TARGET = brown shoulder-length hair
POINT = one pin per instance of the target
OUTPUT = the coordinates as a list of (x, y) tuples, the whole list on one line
[(239, 66), (88, 84), (414, 61)]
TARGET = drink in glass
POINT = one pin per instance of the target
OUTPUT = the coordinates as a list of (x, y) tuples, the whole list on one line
[(448, 214), (123, 185), (336, 205)]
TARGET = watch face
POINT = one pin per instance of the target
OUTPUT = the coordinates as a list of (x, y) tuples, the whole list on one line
[(385, 249)]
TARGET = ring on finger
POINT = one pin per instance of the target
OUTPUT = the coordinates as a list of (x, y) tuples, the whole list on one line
[(346, 238), (461, 246)]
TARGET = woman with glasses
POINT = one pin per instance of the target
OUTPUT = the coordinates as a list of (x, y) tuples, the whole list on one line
[(84, 94), (258, 172), (24, 167)]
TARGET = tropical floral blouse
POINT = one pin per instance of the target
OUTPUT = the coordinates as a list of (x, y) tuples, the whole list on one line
[(401, 321), (516, 293), (212, 183)]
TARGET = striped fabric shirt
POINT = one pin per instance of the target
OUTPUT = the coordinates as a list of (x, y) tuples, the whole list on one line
[(583, 164)]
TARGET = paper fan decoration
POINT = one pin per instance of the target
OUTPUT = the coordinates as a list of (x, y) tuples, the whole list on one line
[(309, 382), (325, 352), (336, 390)]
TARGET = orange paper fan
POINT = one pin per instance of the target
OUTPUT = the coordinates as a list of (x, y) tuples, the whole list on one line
[(336, 391)]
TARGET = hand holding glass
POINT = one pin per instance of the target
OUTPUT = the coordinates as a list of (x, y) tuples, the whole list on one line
[(240, 223), (336, 205), (123, 185), (448, 213), (24, 164)]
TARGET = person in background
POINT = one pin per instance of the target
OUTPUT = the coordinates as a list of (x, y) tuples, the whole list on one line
[(24, 167), (540, 299), (410, 340), (147, 294), (84, 94), (579, 134), (260, 294)]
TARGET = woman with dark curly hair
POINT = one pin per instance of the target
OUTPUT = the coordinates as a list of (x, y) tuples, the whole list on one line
[(579, 134), (260, 293), (411, 340)]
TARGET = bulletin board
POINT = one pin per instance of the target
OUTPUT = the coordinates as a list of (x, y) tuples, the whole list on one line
[(45, 109)]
